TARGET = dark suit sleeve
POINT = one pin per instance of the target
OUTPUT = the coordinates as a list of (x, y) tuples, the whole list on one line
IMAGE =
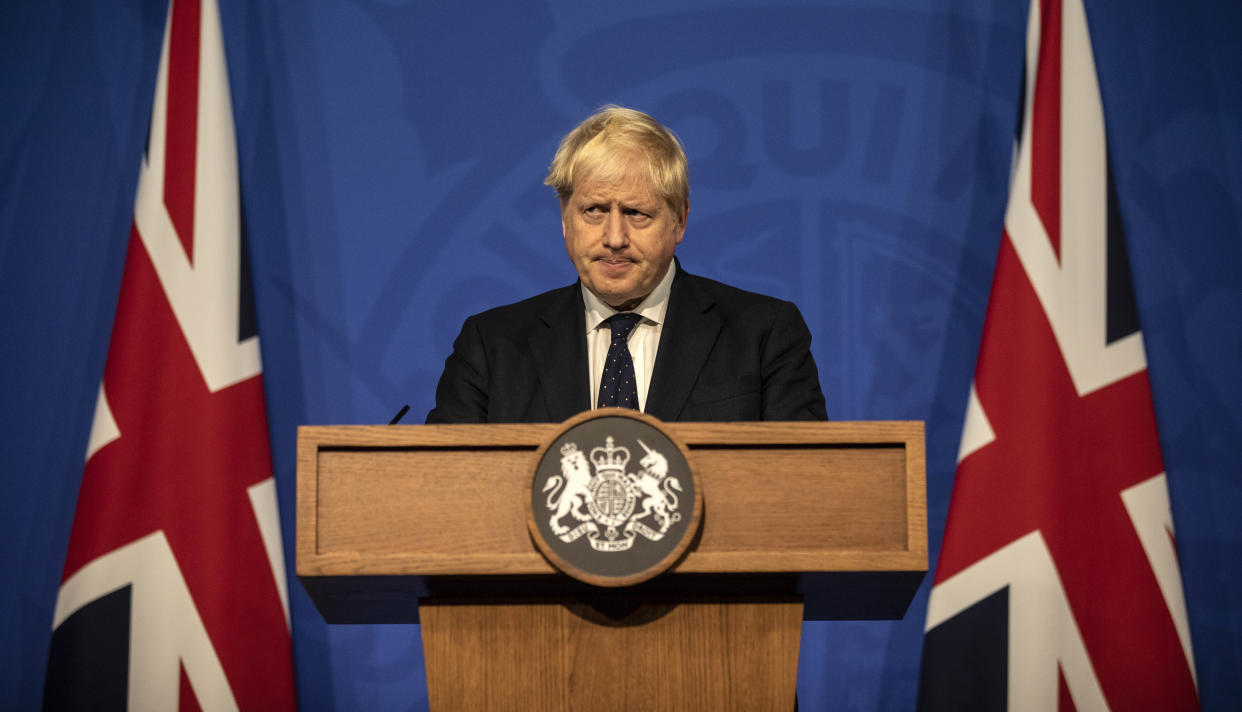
[(790, 387), (462, 394)]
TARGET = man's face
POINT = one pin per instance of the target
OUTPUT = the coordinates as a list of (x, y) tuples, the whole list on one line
[(621, 238)]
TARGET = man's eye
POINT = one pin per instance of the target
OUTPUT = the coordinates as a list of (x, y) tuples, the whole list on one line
[(594, 210)]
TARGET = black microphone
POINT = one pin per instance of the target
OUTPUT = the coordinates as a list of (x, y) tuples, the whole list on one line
[(400, 414)]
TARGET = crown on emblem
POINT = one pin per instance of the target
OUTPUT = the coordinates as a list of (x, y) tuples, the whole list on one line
[(610, 456)]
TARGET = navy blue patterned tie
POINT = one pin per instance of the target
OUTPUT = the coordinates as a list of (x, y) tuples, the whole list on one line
[(618, 387)]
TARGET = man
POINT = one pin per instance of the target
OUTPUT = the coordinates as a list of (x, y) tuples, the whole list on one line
[(680, 348)]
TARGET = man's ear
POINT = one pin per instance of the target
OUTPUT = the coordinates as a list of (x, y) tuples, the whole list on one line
[(685, 213)]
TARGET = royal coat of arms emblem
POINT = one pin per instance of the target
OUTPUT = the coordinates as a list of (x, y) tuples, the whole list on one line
[(613, 501), (603, 502)]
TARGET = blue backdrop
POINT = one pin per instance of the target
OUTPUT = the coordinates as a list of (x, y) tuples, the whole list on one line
[(851, 156)]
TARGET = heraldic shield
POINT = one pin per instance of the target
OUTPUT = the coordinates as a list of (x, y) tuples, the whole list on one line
[(613, 501)]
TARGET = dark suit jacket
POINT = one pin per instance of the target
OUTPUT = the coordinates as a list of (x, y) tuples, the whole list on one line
[(724, 354)]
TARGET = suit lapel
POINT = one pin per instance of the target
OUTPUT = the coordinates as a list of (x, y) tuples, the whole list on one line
[(690, 330), (558, 346)]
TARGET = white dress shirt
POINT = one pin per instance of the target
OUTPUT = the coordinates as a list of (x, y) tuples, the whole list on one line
[(644, 339)]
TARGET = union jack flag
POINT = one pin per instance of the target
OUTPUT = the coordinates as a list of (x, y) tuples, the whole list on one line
[(174, 594), (1058, 585)]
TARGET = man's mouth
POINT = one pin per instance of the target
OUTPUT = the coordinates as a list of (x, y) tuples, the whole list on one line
[(615, 266)]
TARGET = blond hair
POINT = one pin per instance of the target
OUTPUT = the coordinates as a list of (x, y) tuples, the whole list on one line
[(605, 147)]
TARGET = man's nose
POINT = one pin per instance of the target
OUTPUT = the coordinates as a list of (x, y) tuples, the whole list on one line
[(615, 235)]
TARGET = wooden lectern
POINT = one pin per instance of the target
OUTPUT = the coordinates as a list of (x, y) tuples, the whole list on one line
[(427, 523)]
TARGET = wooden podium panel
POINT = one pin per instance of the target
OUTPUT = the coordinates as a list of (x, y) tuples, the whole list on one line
[(447, 500), (814, 520), (737, 654)]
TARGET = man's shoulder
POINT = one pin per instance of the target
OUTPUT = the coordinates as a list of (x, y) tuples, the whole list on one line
[(519, 314), (726, 296)]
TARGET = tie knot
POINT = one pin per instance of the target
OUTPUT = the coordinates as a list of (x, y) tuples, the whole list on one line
[(621, 324)]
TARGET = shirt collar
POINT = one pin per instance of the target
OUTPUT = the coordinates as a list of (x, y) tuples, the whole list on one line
[(651, 309)]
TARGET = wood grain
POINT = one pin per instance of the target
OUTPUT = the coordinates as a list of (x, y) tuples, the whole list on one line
[(574, 654), (449, 499), (443, 508)]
